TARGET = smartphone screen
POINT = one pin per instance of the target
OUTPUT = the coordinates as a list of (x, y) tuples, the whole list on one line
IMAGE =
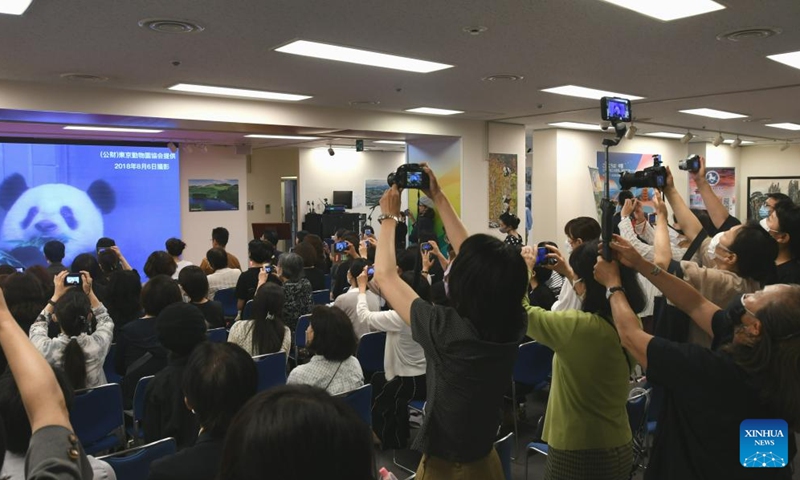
[(367, 231), (426, 247), (72, 279), (371, 271)]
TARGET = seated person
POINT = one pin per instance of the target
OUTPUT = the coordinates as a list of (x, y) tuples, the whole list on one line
[(223, 277), (123, 298), (219, 239), (314, 274), (160, 263), (285, 449), (181, 327), (218, 381), (54, 254), (80, 355), (265, 332), (332, 341), (348, 301), (195, 285), (260, 254), (175, 248)]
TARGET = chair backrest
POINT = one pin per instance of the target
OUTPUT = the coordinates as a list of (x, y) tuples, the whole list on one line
[(637, 405), (97, 417), (138, 397), (134, 464), (328, 281), (300, 331), (247, 312), (108, 365), (271, 370), (217, 335), (370, 351), (360, 400), (321, 297), (534, 364), (227, 297), (504, 446)]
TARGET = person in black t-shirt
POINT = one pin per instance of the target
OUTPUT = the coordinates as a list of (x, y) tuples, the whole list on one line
[(195, 285), (261, 254), (750, 373), (783, 224)]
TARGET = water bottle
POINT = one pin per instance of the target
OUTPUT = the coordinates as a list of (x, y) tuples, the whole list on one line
[(386, 474)]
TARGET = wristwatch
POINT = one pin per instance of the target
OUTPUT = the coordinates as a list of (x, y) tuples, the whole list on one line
[(613, 290), (384, 216)]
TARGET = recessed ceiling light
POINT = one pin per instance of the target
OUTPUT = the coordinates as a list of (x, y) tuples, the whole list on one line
[(170, 25), (364, 103), (752, 33), (14, 7), (792, 58), (575, 125), (502, 78), (237, 92), (785, 126), (584, 92), (361, 57), (283, 137), (390, 142), (741, 142), (667, 10), (475, 30), (84, 77), (665, 135), (112, 129), (434, 111), (710, 112)]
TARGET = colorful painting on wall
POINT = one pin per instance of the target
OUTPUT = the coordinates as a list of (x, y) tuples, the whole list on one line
[(759, 187), (502, 186), (723, 183), (213, 195), (626, 162)]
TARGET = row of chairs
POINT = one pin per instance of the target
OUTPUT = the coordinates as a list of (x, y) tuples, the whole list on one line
[(230, 303)]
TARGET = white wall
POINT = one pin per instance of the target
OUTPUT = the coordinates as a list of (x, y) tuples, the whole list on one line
[(218, 163), (267, 166)]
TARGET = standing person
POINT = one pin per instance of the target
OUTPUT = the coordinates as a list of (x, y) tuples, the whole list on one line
[(219, 239), (175, 248), (348, 301), (296, 287), (470, 346), (508, 225), (783, 224), (54, 254), (423, 224)]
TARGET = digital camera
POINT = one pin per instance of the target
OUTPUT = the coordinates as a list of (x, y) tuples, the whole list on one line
[(691, 164), (410, 175), (73, 280), (650, 177)]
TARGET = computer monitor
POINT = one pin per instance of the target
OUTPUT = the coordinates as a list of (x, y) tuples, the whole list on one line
[(342, 197)]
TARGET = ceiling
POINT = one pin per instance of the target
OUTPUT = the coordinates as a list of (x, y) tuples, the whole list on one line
[(675, 65)]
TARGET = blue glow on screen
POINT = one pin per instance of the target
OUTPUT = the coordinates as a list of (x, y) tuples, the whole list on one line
[(79, 193)]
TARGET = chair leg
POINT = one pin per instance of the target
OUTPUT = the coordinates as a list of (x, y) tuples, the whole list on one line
[(514, 416)]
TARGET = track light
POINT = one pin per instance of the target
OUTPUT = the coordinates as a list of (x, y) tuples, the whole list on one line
[(189, 148), (718, 141), (785, 147), (172, 147), (631, 132), (687, 138), (204, 148), (330, 151), (736, 143)]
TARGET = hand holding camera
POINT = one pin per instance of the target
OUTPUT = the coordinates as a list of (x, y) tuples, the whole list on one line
[(628, 207)]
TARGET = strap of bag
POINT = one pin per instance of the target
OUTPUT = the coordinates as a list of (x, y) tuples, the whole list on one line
[(139, 362)]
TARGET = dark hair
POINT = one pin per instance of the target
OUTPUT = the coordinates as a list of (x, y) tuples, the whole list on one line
[(45, 279), (352, 237), (218, 380), (772, 360), (194, 282), (300, 235), (780, 198), (220, 235), (53, 251), (267, 333), (357, 266), (544, 274), (85, 262), (259, 251), (217, 258), (123, 296), (584, 228), (25, 298), (104, 242), (160, 263), (582, 261), (181, 327), (423, 289), (755, 251), (510, 220), (108, 261), (488, 280), (12, 410), (307, 253), (407, 259), (278, 431), (291, 266), (316, 242), (788, 215), (334, 337), (159, 292), (271, 236), (7, 270), (624, 195), (175, 246), (73, 313), (339, 233)]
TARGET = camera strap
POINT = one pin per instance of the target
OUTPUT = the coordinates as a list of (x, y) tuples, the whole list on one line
[(698, 240)]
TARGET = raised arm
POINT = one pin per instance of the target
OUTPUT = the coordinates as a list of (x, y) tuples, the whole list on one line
[(662, 245), (716, 210), (456, 231), (690, 225)]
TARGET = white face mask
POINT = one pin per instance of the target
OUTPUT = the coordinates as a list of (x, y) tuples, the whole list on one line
[(567, 246), (712, 247), (763, 224)]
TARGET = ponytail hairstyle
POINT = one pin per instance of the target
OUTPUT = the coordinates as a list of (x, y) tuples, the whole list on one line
[(267, 326), (73, 313)]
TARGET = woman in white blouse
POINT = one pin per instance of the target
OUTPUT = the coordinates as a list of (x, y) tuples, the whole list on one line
[(404, 363), (265, 333)]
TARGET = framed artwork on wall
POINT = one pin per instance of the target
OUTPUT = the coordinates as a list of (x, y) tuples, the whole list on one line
[(759, 187)]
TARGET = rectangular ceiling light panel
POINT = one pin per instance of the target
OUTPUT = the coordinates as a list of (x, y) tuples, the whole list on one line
[(360, 57), (785, 126), (711, 113), (792, 59), (390, 142), (112, 129), (282, 137), (585, 92), (14, 7), (434, 111), (665, 135), (668, 10), (575, 125), (237, 92)]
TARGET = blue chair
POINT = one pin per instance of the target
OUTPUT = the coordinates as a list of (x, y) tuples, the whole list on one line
[(97, 418), (134, 464), (300, 333), (108, 365), (227, 297), (370, 352), (217, 335), (247, 312), (503, 447), (137, 413), (328, 281), (271, 370), (321, 297), (533, 448), (534, 367), (360, 400), (638, 406)]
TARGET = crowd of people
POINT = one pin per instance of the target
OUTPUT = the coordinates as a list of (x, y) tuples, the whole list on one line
[(704, 306)]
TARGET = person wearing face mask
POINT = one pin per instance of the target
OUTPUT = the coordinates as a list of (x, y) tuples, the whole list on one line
[(578, 230), (628, 231), (750, 374), (783, 224), (508, 225), (769, 204)]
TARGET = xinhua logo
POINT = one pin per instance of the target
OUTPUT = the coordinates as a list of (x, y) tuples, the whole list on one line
[(763, 443)]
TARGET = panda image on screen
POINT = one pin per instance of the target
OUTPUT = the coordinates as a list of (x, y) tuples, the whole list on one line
[(53, 211)]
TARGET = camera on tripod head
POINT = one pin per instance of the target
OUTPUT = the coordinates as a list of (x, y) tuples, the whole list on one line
[(410, 175), (650, 177)]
